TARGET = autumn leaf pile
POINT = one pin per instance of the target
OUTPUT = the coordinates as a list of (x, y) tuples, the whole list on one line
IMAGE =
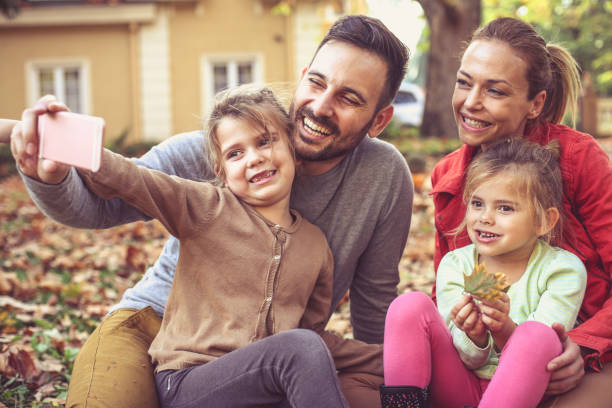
[(56, 283)]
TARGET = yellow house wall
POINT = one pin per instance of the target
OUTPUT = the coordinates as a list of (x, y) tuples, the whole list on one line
[(105, 47), (221, 26)]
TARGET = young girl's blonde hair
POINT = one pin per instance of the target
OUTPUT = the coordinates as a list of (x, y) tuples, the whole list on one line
[(535, 173), (255, 104)]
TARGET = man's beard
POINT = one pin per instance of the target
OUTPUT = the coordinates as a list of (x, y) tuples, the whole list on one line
[(332, 150)]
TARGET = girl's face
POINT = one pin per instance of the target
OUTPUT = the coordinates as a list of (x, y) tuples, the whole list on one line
[(500, 221), (259, 166), (490, 98)]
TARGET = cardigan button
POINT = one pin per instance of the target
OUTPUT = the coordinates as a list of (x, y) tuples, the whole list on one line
[(276, 257)]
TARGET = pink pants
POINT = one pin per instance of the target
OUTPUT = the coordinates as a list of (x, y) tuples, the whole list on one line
[(419, 351)]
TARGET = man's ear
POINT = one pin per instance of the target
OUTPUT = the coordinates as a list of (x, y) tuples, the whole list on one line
[(382, 118), (552, 216)]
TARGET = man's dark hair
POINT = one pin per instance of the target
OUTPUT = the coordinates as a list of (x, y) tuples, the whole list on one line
[(370, 34)]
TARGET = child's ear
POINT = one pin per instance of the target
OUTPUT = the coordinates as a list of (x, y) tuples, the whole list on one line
[(551, 217)]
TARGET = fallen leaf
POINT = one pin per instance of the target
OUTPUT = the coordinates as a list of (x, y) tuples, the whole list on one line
[(485, 285)]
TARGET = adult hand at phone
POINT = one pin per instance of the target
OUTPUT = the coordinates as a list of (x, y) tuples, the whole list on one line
[(25, 142)]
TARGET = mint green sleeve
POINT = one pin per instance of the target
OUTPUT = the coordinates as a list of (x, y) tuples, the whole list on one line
[(561, 287), (449, 287)]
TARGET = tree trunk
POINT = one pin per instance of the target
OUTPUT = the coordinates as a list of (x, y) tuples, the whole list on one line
[(451, 23)]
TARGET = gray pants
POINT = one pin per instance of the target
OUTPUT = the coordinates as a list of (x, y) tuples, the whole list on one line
[(289, 369)]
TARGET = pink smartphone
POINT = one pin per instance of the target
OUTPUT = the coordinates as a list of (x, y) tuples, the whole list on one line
[(71, 138)]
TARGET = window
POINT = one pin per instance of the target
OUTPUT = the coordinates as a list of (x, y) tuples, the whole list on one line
[(222, 72), (227, 74), (68, 81)]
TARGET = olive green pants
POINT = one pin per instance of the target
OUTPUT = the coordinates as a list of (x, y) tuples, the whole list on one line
[(113, 369)]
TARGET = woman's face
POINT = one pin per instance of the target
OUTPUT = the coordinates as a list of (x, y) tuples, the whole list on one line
[(490, 99)]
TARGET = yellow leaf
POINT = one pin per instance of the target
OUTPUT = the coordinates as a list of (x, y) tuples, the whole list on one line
[(485, 285)]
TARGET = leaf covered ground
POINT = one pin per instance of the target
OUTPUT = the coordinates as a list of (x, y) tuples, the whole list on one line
[(56, 284)]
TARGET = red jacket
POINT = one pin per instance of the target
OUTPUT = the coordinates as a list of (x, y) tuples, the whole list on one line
[(587, 201)]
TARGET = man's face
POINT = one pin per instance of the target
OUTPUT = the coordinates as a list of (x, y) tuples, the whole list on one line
[(335, 102)]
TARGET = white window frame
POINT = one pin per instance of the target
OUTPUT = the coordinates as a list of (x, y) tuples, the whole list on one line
[(207, 78), (33, 68)]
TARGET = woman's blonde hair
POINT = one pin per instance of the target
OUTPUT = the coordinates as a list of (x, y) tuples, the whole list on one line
[(535, 173), (550, 67), (255, 104)]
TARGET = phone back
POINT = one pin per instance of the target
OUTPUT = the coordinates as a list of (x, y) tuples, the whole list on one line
[(71, 138)]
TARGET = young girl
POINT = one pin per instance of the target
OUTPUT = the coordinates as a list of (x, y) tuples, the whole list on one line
[(251, 274), (513, 83), (491, 353)]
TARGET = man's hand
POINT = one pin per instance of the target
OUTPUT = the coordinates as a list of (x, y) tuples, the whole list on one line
[(466, 316), (24, 143), (567, 368)]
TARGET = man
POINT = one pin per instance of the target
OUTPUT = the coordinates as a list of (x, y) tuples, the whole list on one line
[(357, 189)]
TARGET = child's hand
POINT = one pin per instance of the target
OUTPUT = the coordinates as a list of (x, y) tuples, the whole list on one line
[(24, 143), (495, 313), (495, 316), (466, 316)]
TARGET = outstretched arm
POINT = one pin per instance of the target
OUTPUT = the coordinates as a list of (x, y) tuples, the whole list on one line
[(6, 126), (69, 201)]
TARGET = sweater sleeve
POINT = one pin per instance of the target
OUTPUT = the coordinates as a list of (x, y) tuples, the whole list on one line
[(561, 290), (374, 285), (450, 287), (72, 203), (349, 355), (180, 205), (590, 173)]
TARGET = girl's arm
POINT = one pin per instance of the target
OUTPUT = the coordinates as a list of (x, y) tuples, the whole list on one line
[(449, 282), (561, 286), (6, 126), (70, 202), (180, 205)]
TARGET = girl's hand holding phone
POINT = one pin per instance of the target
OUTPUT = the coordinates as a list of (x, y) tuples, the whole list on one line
[(25, 142), (49, 140), (467, 317)]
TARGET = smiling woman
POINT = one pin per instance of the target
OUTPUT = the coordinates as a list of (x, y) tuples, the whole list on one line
[(512, 84)]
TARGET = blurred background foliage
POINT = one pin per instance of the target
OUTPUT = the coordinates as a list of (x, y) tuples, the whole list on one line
[(584, 27)]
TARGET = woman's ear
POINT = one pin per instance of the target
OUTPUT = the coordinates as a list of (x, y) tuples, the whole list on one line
[(551, 217), (537, 105)]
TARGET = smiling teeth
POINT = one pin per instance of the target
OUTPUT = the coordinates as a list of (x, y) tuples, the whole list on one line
[(263, 175), (487, 234), (475, 123), (313, 127)]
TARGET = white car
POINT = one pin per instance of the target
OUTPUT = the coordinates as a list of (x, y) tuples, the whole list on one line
[(408, 105)]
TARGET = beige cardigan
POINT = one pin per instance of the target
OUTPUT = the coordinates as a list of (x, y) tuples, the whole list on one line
[(239, 277)]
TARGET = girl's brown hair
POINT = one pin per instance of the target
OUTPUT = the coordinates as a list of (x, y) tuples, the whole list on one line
[(534, 170), (254, 104), (550, 67)]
